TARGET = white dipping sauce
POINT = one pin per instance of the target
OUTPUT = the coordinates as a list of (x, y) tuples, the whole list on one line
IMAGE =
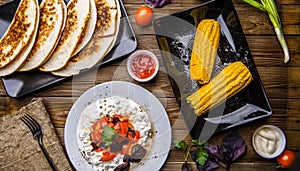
[(138, 117), (268, 141)]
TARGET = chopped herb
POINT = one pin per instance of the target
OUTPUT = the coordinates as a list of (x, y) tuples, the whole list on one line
[(201, 156), (180, 144), (108, 135)]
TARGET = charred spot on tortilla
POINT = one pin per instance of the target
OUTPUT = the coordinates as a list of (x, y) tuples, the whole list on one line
[(19, 33), (102, 41), (77, 17), (88, 31), (52, 21), (34, 13), (71, 24), (103, 17)]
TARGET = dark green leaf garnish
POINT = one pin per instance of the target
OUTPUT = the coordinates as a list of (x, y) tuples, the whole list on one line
[(109, 135), (180, 144)]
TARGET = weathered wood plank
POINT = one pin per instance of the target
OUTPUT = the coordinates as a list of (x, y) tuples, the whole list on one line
[(282, 109), (253, 21), (59, 109), (265, 49), (175, 166), (286, 2), (283, 84)]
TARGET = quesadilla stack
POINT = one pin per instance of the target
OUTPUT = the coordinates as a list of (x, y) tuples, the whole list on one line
[(60, 39), (53, 14), (102, 41), (77, 17), (19, 38)]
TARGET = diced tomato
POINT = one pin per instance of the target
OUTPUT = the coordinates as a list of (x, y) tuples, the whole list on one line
[(130, 126), (102, 123), (134, 137), (130, 136), (96, 132), (95, 137), (98, 150), (126, 148), (107, 156), (117, 126), (121, 125), (110, 124), (124, 128), (137, 135), (105, 119)]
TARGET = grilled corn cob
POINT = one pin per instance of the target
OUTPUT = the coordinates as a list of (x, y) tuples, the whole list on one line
[(226, 84), (204, 51)]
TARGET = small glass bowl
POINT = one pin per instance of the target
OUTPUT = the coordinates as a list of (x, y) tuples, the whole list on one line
[(137, 53), (281, 142)]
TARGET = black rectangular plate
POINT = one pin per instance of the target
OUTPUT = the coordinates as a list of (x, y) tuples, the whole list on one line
[(175, 36), (23, 83)]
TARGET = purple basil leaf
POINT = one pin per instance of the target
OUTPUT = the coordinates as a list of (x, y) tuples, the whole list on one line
[(210, 164), (239, 152), (157, 3), (232, 147), (213, 151), (186, 167)]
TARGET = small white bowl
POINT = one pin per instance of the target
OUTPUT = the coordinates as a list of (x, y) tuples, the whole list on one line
[(281, 142), (133, 56)]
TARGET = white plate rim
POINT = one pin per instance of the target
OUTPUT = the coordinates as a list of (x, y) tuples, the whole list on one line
[(161, 124)]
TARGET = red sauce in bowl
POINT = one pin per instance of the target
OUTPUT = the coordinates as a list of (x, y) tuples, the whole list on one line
[(143, 66)]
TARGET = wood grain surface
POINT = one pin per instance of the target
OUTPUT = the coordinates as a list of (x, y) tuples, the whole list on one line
[(281, 81)]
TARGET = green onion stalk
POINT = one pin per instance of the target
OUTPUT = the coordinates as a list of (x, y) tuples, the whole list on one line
[(269, 6)]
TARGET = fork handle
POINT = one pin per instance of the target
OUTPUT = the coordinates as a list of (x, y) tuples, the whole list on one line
[(49, 159)]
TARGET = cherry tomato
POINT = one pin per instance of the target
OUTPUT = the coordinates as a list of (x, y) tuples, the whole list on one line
[(107, 156), (286, 159), (144, 16)]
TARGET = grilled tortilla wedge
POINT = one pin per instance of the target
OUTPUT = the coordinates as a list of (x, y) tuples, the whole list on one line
[(103, 39), (19, 33), (89, 29), (18, 61), (53, 14), (77, 17)]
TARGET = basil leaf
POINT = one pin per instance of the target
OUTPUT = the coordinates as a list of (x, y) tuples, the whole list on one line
[(180, 144), (232, 147), (200, 156), (108, 135)]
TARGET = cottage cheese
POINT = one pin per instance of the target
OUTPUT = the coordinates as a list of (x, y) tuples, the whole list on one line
[(138, 117)]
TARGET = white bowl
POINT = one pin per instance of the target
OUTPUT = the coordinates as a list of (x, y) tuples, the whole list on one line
[(280, 146), (133, 56)]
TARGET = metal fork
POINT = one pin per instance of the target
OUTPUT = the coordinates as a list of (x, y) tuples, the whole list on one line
[(37, 133)]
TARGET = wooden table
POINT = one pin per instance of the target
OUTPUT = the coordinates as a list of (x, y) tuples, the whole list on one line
[(281, 81)]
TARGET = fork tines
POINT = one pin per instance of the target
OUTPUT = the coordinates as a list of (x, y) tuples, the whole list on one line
[(30, 122)]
